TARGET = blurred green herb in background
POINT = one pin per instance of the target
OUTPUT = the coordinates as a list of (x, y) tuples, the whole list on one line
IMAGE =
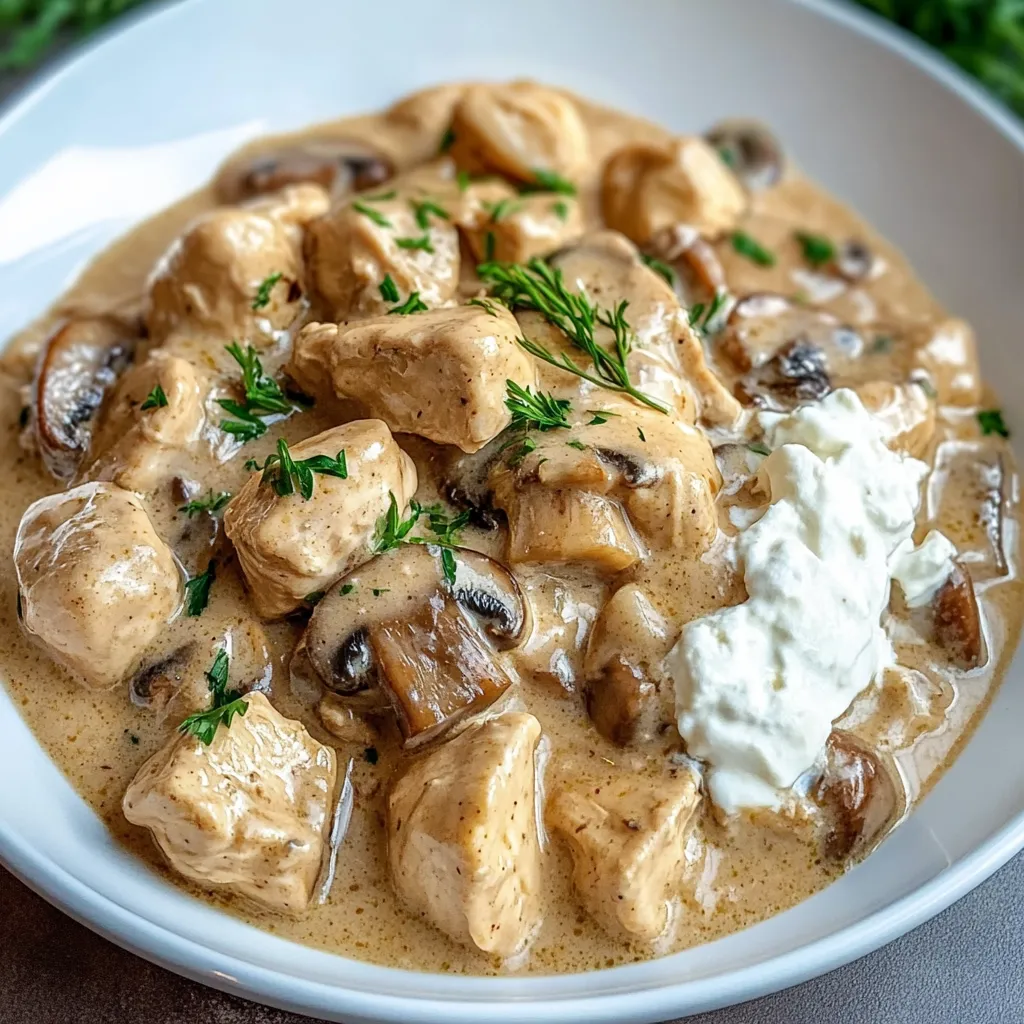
[(985, 37), (28, 28)]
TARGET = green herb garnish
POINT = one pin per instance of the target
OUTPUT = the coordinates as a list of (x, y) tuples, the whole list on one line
[(392, 529), (447, 141), (540, 287), (314, 597), (752, 249), (561, 210), (549, 181), (212, 503), (702, 317), (376, 216), (759, 448), (661, 268), (388, 289), (426, 209), (263, 292), (578, 445), (991, 422), (156, 399), (422, 243), (527, 445), (286, 474), (502, 208), (600, 416), (225, 703), (263, 397), (540, 411), (197, 591), (413, 304), (347, 588), (817, 249), (463, 180), (642, 436)]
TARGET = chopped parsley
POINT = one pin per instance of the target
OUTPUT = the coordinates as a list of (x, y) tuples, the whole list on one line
[(263, 292), (212, 503), (578, 445), (991, 422), (376, 216), (489, 246), (817, 249), (538, 286), (549, 181), (156, 399), (263, 397), (422, 243), (447, 141), (377, 591), (882, 343), (660, 267), (561, 210), (752, 249), (286, 474), (463, 180), (347, 588), (540, 411), (388, 289), (502, 208), (759, 448), (413, 304), (448, 566), (225, 703), (641, 433), (314, 597), (197, 591), (600, 416), (426, 209)]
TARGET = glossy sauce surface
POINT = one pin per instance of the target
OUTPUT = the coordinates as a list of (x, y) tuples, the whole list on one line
[(738, 871)]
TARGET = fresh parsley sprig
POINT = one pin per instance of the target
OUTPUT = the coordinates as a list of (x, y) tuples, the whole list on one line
[(287, 474), (263, 397), (225, 703), (212, 503), (156, 399), (538, 286), (540, 411), (197, 590)]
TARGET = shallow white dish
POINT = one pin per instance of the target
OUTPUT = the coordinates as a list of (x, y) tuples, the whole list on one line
[(145, 117)]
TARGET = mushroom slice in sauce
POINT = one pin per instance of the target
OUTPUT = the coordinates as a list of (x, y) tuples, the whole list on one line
[(750, 150), (957, 620), (398, 627), (79, 362), (338, 165), (860, 796)]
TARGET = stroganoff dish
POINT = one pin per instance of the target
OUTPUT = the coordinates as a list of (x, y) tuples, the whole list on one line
[(499, 534)]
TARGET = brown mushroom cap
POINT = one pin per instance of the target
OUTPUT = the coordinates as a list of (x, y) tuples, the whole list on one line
[(78, 363), (339, 165), (861, 797), (397, 628), (751, 151), (957, 620)]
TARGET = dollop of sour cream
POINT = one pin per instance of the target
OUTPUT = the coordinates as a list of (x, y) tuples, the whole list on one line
[(758, 685)]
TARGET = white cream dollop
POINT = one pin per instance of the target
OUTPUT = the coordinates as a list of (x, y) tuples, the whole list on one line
[(758, 685)]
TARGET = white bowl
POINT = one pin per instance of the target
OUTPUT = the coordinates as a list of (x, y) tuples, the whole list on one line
[(145, 117)]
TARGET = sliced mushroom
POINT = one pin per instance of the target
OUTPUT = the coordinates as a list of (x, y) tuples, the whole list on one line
[(339, 165), (77, 365), (398, 630), (796, 374), (957, 619), (750, 150), (860, 796), (855, 261)]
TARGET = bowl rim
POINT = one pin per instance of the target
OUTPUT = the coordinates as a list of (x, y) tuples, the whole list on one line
[(204, 963)]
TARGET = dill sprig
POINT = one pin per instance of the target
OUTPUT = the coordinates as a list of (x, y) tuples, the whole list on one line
[(540, 411), (538, 286), (286, 474)]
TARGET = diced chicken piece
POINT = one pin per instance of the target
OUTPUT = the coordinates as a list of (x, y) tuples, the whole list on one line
[(209, 280), (427, 112), (609, 491), (439, 374), (249, 814), (96, 583), (948, 354), (353, 248), (289, 547), (462, 836), (906, 412), (518, 129), (648, 187), (499, 224), (141, 431), (627, 843), (667, 361)]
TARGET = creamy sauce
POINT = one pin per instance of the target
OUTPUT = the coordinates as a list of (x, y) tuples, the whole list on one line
[(738, 870)]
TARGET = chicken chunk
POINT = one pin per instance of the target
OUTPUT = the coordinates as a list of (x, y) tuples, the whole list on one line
[(440, 374), (209, 280), (627, 843), (289, 547), (462, 836), (96, 583), (353, 248), (519, 129), (142, 431), (633, 481), (646, 188), (249, 814), (667, 360), (499, 224)]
